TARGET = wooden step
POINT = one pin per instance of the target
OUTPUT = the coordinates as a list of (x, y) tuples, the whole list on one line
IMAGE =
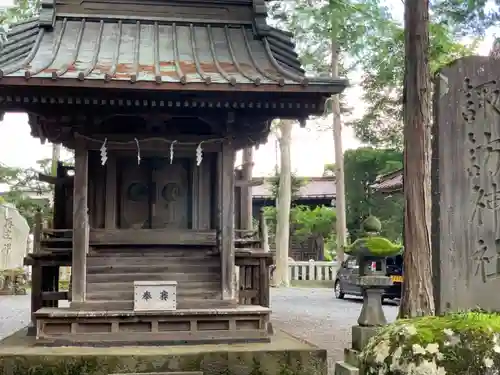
[(151, 251), (126, 305), (127, 286), (154, 268), (129, 295), (52, 240), (132, 276), (151, 259)]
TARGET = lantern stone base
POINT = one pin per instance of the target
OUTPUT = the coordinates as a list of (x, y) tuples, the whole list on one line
[(370, 319), (283, 355)]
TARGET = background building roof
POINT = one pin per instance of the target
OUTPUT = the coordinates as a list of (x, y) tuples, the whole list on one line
[(390, 182), (315, 187)]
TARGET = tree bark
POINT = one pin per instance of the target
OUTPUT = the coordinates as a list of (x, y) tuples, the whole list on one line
[(340, 205), (417, 299), (283, 203)]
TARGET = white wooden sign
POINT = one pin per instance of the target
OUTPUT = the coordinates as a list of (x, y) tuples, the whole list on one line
[(155, 295)]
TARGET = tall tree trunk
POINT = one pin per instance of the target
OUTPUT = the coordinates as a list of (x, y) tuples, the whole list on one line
[(283, 203), (340, 206), (417, 299)]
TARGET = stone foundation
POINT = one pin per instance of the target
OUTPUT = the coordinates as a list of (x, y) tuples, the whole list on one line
[(284, 355), (360, 337), (66, 326)]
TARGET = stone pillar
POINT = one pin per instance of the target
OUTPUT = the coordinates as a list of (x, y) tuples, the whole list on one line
[(80, 224)]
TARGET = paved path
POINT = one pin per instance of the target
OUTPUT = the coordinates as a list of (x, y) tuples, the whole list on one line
[(317, 316), (313, 314)]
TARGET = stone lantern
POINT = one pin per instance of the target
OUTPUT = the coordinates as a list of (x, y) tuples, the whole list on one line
[(372, 251)]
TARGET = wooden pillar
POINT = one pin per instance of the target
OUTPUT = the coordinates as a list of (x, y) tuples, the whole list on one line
[(80, 224), (225, 166), (36, 272), (246, 191), (110, 205)]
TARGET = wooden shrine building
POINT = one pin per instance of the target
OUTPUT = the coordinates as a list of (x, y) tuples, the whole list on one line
[(154, 98)]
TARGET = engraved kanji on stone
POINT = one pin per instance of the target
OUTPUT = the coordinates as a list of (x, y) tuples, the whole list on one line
[(164, 295), (146, 295), (483, 260)]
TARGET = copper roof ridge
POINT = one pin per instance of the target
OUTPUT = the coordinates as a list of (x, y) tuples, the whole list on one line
[(31, 55), (109, 75), (74, 56), (86, 72), (223, 73), (31, 73), (256, 80), (196, 58)]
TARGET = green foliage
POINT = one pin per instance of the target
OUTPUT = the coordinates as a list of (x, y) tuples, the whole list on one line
[(305, 221), (23, 186), (455, 344), (471, 17), (382, 82), (318, 221), (322, 26), (297, 183), (362, 166), (373, 246)]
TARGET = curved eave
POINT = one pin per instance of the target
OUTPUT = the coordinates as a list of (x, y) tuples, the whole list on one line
[(155, 56)]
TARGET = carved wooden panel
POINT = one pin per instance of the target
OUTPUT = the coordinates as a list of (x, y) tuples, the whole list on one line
[(466, 185), (172, 193), (134, 195)]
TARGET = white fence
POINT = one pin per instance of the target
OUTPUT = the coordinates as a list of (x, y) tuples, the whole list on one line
[(312, 270)]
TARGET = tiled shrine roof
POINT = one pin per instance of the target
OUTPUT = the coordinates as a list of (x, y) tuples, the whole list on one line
[(125, 50), (390, 182)]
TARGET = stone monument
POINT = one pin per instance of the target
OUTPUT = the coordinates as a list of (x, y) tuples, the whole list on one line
[(14, 235), (466, 186), (369, 249)]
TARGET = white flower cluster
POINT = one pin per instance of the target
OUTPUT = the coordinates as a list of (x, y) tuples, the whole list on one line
[(396, 350)]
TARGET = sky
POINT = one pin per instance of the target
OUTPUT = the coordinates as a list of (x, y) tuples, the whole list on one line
[(311, 148)]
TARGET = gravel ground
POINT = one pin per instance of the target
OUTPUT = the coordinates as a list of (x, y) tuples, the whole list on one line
[(313, 314), (317, 316), (14, 314)]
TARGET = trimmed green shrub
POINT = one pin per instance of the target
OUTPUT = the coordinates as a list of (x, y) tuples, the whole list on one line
[(373, 246), (454, 344)]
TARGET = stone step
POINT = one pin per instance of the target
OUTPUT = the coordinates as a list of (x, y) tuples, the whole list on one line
[(351, 356), (201, 325), (343, 368), (151, 276)]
